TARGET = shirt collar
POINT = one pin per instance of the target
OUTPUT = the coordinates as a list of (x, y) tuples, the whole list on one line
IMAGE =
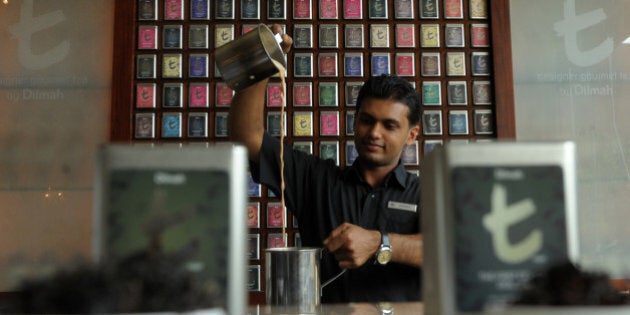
[(400, 174), (397, 176)]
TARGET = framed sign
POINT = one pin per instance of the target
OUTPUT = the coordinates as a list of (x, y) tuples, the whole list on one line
[(502, 212), (197, 125), (328, 9), (199, 9), (250, 9), (303, 36)]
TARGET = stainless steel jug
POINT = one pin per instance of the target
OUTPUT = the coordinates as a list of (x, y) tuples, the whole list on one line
[(292, 279), (248, 59)]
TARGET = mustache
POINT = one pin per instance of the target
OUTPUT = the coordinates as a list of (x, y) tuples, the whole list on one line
[(367, 142)]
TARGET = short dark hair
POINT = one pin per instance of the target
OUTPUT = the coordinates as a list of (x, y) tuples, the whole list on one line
[(392, 87)]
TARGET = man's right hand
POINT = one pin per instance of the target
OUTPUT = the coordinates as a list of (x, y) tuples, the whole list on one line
[(352, 245)]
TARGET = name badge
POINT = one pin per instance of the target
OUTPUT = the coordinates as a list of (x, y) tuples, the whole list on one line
[(402, 206)]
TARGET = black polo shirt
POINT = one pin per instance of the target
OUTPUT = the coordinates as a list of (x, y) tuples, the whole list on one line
[(322, 196)]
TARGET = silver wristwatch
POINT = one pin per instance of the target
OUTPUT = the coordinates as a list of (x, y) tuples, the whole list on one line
[(384, 253)]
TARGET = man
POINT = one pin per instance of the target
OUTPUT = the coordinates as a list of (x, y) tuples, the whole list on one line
[(353, 212)]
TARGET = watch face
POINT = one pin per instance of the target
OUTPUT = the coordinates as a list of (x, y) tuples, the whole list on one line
[(384, 255)]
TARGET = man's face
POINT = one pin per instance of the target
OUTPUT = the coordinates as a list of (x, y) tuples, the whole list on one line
[(382, 130)]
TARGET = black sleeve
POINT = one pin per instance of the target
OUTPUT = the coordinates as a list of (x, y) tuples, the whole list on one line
[(298, 170)]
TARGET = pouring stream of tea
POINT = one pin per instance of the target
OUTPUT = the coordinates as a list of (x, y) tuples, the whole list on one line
[(281, 71)]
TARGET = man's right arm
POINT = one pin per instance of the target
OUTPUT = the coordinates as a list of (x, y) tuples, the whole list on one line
[(246, 118), (246, 121)]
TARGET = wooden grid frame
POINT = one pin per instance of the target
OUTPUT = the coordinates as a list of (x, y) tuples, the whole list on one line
[(125, 80)]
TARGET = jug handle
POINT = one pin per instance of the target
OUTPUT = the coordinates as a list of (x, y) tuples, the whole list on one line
[(323, 252), (278, 38), (327, 282)]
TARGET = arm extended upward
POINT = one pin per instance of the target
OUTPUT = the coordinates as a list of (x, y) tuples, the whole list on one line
[(246, 121)]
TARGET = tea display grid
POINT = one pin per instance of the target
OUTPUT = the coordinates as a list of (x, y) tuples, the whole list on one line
[(179, 95)]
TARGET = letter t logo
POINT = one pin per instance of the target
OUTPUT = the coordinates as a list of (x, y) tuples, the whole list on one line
[(498, 222), (30, 25), (571, 25)]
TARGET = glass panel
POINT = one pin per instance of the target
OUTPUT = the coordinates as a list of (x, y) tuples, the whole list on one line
[(55, 93), (571, 76)]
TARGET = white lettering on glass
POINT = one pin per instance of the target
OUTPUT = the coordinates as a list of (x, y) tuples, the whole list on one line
[(569, 28), (30, 25)]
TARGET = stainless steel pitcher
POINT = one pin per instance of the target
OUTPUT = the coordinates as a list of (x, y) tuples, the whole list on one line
[(292, 279), (248, 59)]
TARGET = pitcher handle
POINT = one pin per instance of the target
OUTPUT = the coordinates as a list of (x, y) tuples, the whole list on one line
[(327, 282), (323, 252)]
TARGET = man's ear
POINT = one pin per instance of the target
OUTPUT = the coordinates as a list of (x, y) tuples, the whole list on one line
[(413, 134)]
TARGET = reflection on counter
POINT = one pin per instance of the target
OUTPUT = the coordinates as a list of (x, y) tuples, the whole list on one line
[(562, 289), (399, 308), (568, 284), (148, 281), (417, 308)]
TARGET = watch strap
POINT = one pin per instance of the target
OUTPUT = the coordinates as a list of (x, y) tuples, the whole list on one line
[(385, 240), (384, 249)]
